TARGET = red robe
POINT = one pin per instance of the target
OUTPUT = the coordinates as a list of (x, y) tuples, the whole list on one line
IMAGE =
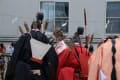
[(68, 64)]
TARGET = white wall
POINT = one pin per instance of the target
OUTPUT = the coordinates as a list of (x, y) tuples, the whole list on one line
[(24, 10), (96, 12), (113, 0)]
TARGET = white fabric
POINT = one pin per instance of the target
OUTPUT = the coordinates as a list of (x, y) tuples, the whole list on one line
[(36, 72), (10, 49), (102, 76), (39, 49), (77, 44), (60, 47)]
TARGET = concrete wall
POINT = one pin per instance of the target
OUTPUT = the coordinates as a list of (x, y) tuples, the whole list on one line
[(25, 10), (113, 0), (96, 12)]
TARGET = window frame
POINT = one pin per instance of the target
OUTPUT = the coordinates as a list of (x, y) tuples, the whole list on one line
[(108, 34), (68, 1)]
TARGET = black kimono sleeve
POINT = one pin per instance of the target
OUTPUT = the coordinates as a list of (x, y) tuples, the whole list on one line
[(11, 65)]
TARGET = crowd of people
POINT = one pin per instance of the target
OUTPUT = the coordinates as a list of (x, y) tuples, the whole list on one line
[(3, 51), (8, 49), (35, 57)]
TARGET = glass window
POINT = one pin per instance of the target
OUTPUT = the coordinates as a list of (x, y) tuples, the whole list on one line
[(48, 10), (113, 17), (57, 13), (62, 23), (61, 15), (61, 9)]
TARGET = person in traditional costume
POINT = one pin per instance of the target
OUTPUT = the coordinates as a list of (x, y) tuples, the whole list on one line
[(28, 64), (79, 31), (73, 65), (104, 64)]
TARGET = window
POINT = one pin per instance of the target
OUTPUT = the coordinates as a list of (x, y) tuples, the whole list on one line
[(57, 13), (113, 17)]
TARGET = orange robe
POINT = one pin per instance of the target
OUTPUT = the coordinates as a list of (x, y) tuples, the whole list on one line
[(103, 57)]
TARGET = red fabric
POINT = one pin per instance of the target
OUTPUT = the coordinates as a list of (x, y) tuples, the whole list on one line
[(36, 60), (84, 57), (66, 73), (68, 64), (84, 50), (3, 50)]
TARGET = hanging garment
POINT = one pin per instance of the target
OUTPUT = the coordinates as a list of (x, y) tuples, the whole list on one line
[(69, 68), (106, 57)]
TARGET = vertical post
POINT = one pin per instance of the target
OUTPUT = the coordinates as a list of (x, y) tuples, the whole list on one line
[(85, 22)]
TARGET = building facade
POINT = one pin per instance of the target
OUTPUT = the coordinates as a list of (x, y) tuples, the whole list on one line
[(113, 17), (67, 14)]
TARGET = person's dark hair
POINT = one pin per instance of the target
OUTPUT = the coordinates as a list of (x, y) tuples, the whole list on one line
[(91, 48), (111, 37), (12, 44), (39, 18), (32, 26), (113, 74), (1, 45), (80, 30)]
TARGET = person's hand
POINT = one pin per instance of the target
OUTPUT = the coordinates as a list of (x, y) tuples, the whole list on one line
[(26, 27), (20, 29)]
